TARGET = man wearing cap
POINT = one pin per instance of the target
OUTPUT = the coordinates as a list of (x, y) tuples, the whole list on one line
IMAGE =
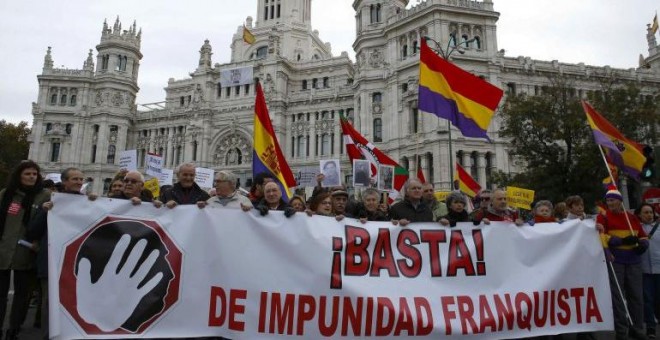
[(339, 201), (624, 241)]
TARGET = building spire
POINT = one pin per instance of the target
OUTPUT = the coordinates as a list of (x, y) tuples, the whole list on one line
[(88, 65), (48, 60)]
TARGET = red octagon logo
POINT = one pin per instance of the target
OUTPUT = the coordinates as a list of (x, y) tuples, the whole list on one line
[(152, 261)]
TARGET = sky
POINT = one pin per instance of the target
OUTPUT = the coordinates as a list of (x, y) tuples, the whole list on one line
[(596, 32)]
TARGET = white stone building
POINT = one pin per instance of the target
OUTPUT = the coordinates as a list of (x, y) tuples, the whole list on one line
[(84, 118)]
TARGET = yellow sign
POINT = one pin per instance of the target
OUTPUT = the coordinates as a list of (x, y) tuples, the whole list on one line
[(153, 186), (441, 195), (519, 197)]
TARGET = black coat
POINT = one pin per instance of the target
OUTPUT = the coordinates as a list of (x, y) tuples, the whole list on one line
[(405, 209), (184, 196)]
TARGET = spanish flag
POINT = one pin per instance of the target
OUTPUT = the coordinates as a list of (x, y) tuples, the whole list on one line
[(267, 156), (449, 92), (248, 37), (466, 183), (654, 24), (620, 151)]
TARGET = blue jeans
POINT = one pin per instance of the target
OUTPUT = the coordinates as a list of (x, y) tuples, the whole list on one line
[(651, 299)]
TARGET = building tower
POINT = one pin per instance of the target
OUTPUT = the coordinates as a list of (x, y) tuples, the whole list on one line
[(82, 116)]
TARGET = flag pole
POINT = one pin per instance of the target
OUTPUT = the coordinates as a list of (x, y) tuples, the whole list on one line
[(609, 172)]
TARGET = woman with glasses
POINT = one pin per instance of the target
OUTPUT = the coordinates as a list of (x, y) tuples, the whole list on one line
[(19, 202), (322, 205), (133, 190)]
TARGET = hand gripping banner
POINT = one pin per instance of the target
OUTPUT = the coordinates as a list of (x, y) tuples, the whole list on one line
[(121, 271)]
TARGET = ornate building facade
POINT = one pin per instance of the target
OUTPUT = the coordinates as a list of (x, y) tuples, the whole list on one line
[(86, 117)]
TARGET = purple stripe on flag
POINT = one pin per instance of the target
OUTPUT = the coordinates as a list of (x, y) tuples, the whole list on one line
[(259, 167), (442, 107), (602, 139)]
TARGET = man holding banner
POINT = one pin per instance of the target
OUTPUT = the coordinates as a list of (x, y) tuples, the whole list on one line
[(498, 210), (185, 191)]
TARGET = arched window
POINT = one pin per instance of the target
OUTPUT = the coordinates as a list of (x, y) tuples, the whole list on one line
[(325, 144), (378, 130), (304, 84), (105, 60), (53, 99), (68, 128), (63, 99), (452, 39), (489, 169), (459, 158), (404, 51), (405, 163), (376, 97), (474, 170), (414, 120), (72, 100), (326, 82), (194, 151), (429, 162), (301, 146), (477, 43), (262, 52), (49, 126), (464, 41), (414, 47), (55, 152), (111, 154)]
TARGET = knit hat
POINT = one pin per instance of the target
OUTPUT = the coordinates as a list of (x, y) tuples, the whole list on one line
[(612, 192)]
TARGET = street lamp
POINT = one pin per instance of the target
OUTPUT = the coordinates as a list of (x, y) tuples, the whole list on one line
[(446, 54)]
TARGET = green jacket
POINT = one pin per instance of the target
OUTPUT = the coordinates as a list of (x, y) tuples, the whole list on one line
[(13, 255), (439, 210)]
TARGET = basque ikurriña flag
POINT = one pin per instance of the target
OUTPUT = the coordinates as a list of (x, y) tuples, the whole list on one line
[(358, 147), (266, 155), (621, 151), (449, 92), (466, 183)]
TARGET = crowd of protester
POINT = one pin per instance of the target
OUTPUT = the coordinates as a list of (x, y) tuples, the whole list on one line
[(632, 251)]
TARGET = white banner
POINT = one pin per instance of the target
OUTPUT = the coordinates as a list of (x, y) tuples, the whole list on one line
[(154, 164), (128, 160), (126, 272), (236, 76)]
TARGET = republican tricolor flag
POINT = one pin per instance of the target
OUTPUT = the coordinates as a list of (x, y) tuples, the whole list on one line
[(449, 92), (267, 156), (621, 151), (466, 183), (358, 147)]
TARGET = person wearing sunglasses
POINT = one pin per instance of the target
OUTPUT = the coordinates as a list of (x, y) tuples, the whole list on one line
[(133, 190)]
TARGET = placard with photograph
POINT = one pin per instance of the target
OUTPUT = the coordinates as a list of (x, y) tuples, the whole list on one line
[(385, 177), (330, 169), (361, 173)]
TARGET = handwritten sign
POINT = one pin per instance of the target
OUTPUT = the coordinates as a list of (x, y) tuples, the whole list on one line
[(154, 164), (519, 197), (204, 177), (166, 177), (306, 176), (128, 160)]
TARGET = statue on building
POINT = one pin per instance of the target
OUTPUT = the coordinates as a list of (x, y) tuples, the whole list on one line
[(205, 54)]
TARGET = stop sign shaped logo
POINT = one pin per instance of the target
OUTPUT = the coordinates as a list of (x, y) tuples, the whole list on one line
[(120, 276)]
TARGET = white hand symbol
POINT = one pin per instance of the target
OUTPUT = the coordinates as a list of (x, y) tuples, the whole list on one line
[(110, 301)]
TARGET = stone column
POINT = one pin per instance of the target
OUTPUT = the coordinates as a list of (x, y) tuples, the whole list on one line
[(170, 147), (102, 144), (312, 137), (481, 166), (466, 161), (339, 139), (424, 165)]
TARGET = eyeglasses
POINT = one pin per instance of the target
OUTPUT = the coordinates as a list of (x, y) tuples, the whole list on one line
[(132, 181)]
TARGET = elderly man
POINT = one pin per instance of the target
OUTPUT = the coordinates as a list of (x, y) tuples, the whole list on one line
[(226, 195), (624, 240), (412, 208), (438, 208), (498, 210), (72, 182), (133, 185), (185, 190), (273, 201)]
